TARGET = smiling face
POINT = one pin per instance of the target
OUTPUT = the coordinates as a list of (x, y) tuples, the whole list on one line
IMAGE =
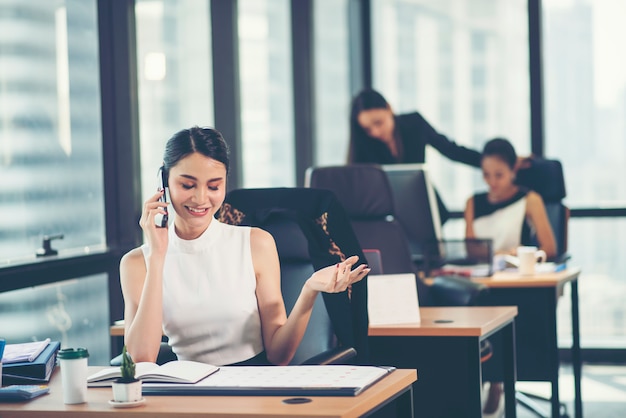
[(378, 123), (197, 187), (499, 176)]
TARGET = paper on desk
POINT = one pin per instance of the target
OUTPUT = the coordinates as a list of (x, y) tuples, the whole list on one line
[(15, 353), (392, 299)]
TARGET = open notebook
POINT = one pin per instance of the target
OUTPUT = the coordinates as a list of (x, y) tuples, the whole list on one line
[(179, 371)]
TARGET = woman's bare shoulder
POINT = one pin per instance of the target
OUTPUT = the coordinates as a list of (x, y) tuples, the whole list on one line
[(260, 238), (132, 258), (534, 198)]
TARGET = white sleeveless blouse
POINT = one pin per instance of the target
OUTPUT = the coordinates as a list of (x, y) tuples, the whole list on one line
[(210, 311), (503, 222)]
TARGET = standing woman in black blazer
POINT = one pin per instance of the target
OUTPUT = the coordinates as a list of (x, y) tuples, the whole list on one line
[(379, 136)]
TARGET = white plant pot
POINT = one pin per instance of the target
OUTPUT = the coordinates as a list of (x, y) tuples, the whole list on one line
[(127, 392)]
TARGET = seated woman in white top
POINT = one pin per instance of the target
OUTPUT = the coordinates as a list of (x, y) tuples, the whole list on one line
[(213, 288), (509, 215)]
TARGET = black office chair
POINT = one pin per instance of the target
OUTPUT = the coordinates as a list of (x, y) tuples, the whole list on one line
[(546, 178), (365, 192), (312, 231)]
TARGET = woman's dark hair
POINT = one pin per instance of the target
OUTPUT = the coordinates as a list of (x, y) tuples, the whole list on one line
[(366, 100), (207, 141), (502, 149)]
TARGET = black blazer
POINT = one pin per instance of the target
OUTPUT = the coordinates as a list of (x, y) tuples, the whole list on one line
[(415, 133)]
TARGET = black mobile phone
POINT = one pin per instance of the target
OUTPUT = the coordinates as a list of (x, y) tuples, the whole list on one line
[(161, 219)]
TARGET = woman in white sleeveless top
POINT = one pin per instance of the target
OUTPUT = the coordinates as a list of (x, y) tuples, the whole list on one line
[(507, 214), (213, 288)]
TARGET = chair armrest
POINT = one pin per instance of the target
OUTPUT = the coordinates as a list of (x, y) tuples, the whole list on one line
[(456, 291), (337, 355)]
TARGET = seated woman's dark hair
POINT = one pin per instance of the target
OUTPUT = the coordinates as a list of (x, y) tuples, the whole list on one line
[(502, 149), (207, 141)]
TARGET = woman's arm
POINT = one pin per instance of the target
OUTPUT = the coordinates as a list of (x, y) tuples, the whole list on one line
[(282, 334), (468, 214), (446, 146), (536, 212), (142, 288)]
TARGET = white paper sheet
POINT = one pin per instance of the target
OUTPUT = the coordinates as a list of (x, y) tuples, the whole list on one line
[(392, 299)]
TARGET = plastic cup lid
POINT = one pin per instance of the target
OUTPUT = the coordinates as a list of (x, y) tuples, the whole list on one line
[(73, 353)]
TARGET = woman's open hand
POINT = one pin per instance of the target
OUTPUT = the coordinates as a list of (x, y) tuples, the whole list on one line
[(337, 278)]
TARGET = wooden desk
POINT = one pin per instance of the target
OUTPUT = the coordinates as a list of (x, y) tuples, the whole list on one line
[(394, 388), (117, 330), (536, 325), (447, 356)]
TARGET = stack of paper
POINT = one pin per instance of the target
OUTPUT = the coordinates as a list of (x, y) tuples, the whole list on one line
[(29, 363)]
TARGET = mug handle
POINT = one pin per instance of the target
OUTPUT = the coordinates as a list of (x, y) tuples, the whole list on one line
[(541, 256)]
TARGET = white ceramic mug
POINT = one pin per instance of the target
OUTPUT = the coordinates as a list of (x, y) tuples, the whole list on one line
[(528, 259), (74, 374)]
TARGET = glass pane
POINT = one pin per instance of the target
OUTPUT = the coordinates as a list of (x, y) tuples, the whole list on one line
[(74, 312), (464, 66), (174, 74), (585, 97), (50, 128), (266, 93), (601, 286), (332, 82)]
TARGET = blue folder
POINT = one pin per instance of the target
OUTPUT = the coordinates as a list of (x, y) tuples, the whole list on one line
[(32, 372)]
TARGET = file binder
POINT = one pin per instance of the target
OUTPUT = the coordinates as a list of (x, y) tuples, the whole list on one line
[(31, 372)]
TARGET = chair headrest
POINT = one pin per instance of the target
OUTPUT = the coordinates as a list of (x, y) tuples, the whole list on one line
[(545, 177), (291, 243), (362, 189)]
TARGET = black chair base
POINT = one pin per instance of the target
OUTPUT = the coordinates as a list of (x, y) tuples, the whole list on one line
[(528, 401)]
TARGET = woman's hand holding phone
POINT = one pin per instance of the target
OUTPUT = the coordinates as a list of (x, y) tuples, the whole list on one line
[(161, 218), (153, 207)]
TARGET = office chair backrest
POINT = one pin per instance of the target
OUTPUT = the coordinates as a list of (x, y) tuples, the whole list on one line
[(364, 190), (546, 178), (311, 231), (365, 193)]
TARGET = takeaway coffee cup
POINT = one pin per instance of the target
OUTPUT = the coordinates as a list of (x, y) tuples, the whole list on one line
[(528, 259), (73, 363)]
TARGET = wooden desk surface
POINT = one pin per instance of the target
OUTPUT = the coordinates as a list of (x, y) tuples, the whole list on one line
[(52, 406), (514, 279), (465, 321), (117, 330)]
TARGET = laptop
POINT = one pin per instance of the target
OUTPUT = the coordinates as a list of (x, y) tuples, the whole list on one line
[(462, 257)]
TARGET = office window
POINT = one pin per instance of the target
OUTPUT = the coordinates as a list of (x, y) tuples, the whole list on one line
[(74, 312), (464, 66), (174, 76), (332, 82), (585, 127), (585, 97), (266, 93), (50, 127)]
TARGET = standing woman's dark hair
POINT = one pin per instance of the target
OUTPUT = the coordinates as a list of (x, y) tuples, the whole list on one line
[(207, 141), (502, 149), (367, 99)]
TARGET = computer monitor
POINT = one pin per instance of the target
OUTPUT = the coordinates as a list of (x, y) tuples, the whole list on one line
[(416, 207)]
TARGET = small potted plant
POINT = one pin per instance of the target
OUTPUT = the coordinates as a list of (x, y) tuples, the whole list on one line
[(127, 388)]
